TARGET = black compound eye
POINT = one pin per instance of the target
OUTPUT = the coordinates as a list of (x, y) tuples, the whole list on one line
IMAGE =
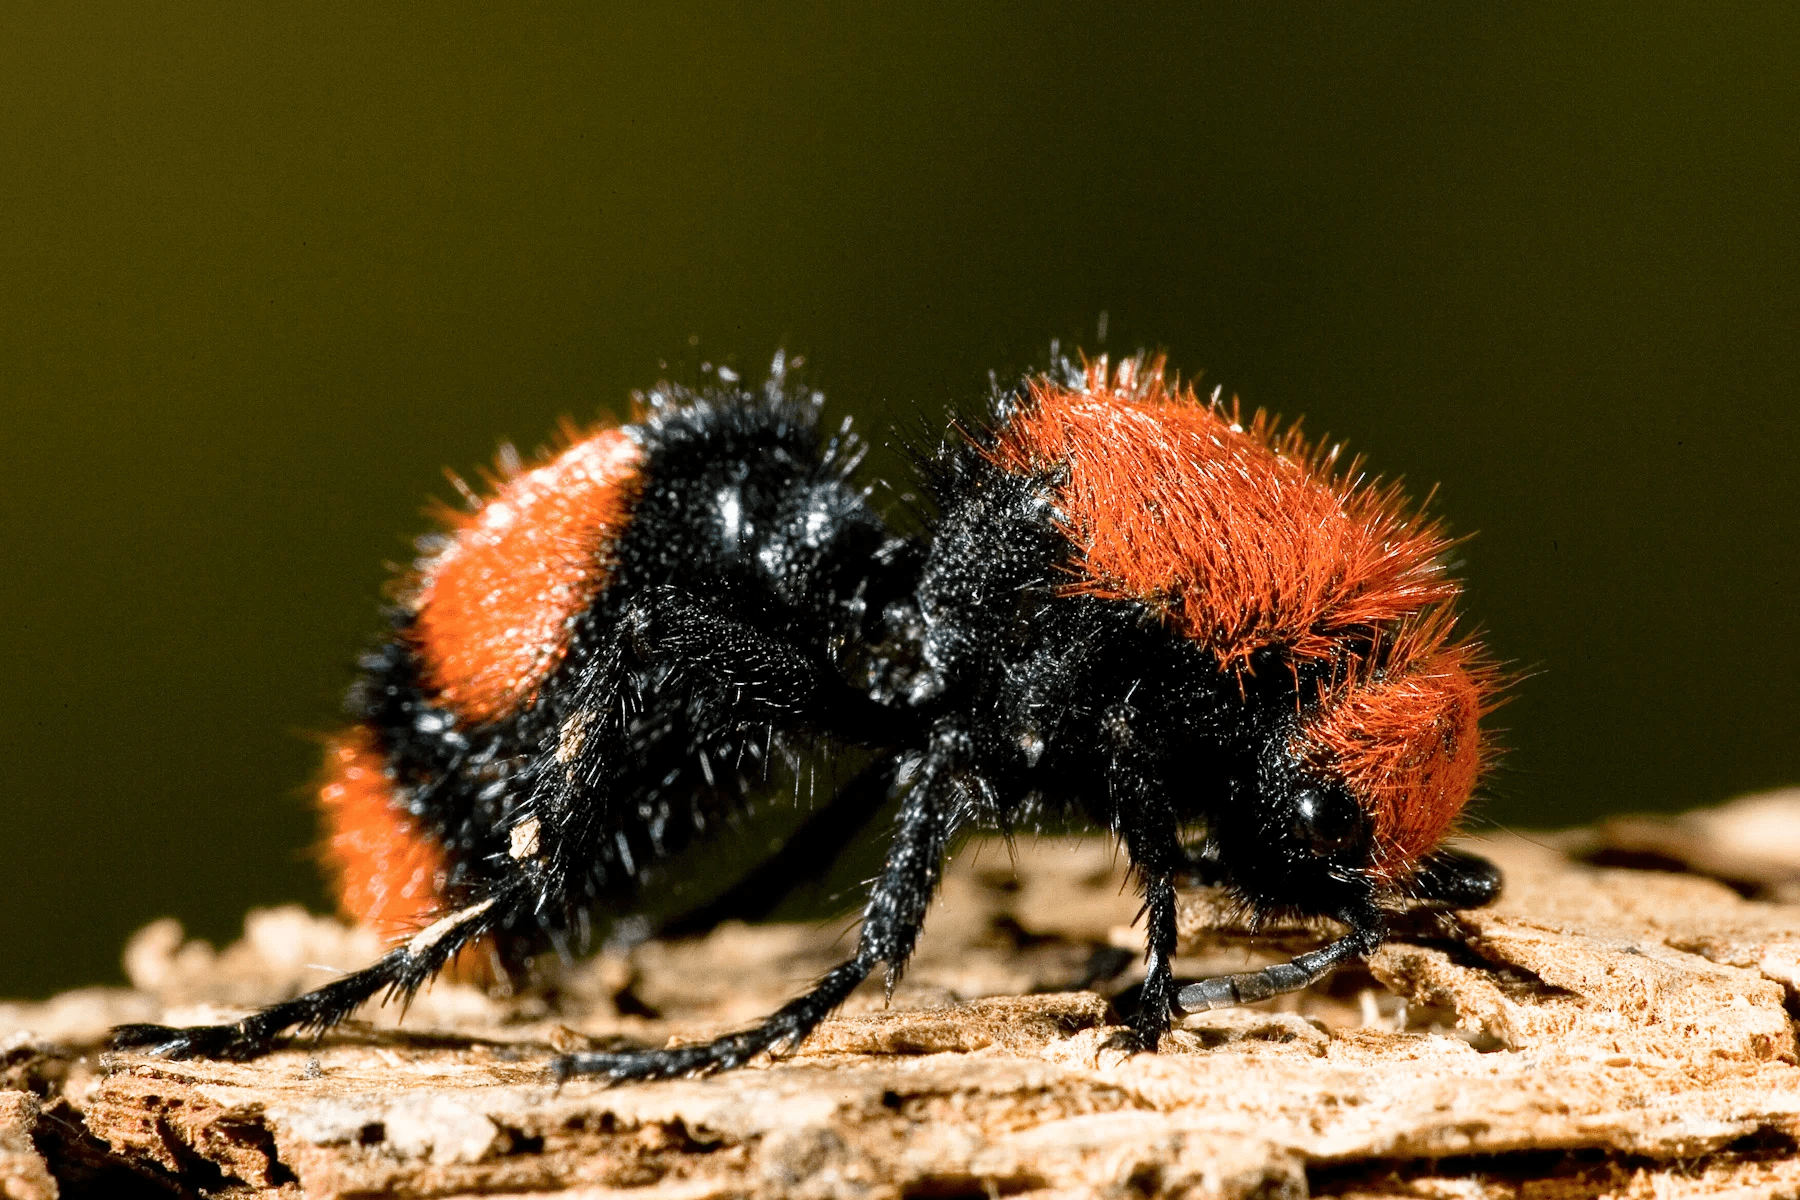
[(1325, 821)]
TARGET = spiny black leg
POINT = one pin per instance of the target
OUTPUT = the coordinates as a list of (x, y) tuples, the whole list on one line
[(891, 923), (1159, 1004), (1367, 930), (936, 804), (802, 858), (785, 1028), (1148, 823), (401, 971)]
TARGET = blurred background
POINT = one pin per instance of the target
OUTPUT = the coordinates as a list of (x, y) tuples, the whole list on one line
[(264, 274)]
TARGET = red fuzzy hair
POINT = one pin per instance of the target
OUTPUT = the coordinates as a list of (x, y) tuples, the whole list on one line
[(1244, 538), (388, 873), (496, 607), (1406, 740)]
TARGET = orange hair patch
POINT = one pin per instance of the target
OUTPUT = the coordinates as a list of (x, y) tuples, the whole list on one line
[(496, 608), (1407, 745), (387, 872), (1242, 536)]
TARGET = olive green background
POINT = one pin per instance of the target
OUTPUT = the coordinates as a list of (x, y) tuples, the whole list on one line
[(263, 274)]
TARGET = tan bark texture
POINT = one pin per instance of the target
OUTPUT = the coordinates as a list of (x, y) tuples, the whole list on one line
[(1620, 1024)]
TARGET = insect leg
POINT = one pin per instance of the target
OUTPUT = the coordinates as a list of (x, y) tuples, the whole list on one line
[(402, 971), (1367, 930), (1150, 839), (892, 919), (1151, 832), (1158, 1006)]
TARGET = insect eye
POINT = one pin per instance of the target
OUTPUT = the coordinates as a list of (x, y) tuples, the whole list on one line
[(1324, 821)]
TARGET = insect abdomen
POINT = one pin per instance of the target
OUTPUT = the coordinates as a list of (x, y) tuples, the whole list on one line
[(513, 681)]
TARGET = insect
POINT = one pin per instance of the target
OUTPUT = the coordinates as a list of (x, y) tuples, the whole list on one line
[(1197, 632)]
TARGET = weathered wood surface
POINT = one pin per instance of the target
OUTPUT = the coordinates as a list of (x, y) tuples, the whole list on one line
[(1601, 1031)]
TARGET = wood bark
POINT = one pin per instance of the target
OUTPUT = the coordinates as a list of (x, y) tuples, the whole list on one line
[(1604, 1030)]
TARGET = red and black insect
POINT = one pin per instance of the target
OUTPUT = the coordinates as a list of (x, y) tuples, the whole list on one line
[(1130, 606)]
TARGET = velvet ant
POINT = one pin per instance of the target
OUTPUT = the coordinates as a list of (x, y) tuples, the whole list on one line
[(1131, 606)]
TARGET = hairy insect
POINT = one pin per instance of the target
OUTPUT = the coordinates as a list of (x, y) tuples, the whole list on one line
[(1129, 606)]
